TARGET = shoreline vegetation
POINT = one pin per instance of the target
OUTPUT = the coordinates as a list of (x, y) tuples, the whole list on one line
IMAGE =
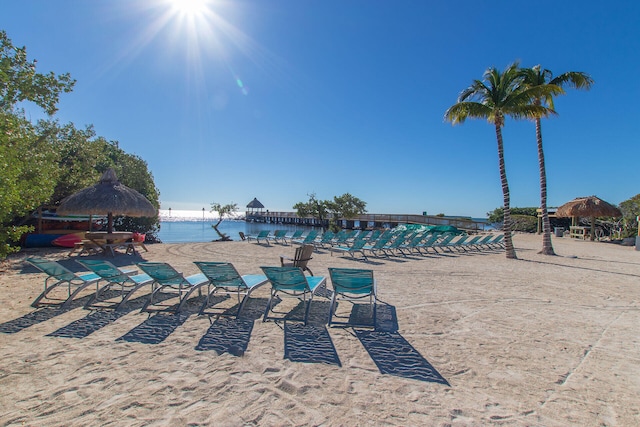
[(463, 338)]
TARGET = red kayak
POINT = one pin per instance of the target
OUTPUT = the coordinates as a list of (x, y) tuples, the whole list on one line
[(68, 240)]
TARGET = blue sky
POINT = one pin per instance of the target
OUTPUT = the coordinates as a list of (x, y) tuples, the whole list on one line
[(276, 99)]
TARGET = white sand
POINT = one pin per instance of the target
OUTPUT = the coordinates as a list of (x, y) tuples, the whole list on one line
[(478, 340)]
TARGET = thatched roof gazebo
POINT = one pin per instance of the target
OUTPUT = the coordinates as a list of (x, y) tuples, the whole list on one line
[(254, 206), (591, 207), (109, 197)]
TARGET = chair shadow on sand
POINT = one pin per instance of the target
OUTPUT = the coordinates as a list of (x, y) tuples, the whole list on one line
[(99, 318), (390, 351), (162, 323), (228, 334)]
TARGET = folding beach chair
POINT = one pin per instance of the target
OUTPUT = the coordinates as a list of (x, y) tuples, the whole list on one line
[(291, 282), (125, 281), (58, 275), (352, 285), (223, 278), (167, 279)]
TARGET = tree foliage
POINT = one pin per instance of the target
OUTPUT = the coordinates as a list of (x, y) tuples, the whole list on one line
[(20, 82), (630, 211), (43, 163), (501, 94), (345, 206), (224, 211), (539, 77)]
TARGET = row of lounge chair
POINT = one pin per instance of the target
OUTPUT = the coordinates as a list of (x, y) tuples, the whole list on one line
[(217, 277), (388, 243)]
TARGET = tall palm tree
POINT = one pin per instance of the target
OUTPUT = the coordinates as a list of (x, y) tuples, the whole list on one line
[(498, 95), (538, 77)]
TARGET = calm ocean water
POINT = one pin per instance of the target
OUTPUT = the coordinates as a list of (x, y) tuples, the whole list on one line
[(195, 226), (201, 231)]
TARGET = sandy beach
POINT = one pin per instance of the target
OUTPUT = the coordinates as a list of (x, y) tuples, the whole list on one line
[(462, 339)]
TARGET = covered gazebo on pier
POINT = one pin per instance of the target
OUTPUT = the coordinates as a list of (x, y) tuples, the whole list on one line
[(254, 210)]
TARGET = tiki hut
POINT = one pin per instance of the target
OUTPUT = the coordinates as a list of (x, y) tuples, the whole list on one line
[(588, 207), (108, 197)]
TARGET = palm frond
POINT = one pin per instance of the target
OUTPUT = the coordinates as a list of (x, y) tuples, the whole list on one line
[(458, 113)]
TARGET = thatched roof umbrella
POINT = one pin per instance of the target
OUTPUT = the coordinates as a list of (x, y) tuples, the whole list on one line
[(591, 207), (108, 196)]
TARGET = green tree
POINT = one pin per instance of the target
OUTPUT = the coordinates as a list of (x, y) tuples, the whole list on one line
[(314, 208), (20, 82), (223, 212), (26, 181), (345, 206), (538, 77), (630, 211), (498, 95)]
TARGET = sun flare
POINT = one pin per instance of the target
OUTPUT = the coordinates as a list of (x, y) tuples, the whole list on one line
[(189, 7)]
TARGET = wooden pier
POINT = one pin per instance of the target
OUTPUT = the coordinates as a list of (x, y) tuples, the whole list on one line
[(367, 221)]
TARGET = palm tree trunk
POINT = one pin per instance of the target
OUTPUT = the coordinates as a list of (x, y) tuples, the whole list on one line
[(547, 247), (508, 243)]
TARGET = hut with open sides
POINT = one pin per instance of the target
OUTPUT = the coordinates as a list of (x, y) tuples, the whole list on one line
[(587, 207), (254, 208), (109, 197)]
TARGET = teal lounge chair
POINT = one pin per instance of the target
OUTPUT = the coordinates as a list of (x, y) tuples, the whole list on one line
[(356, 246), (291, 282), (496, 243), (470, 243), (352, 285), (278, 236), (296, 235), (428, 243), (263, 235), (482, 241), (376, 248), (112, 276), (326, 239), (223, 278), (457, 245), (309, 238), (169, 280), (58, 275)]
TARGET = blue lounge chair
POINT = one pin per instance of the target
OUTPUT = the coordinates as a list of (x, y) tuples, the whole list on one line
[(167, 279), (291, 282), (223, 278), (377, 248), (263, 235), (457, 244), (279, 236), (482, 241), (428, 243), (128, 282), (471, 244), (58, 275), (352, 285), (325, 240), (308, 239), (356, 246), (296, 235), (445, 240)]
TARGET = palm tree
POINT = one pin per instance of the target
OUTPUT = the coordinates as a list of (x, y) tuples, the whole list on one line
[(537, 77), (497, 96)]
